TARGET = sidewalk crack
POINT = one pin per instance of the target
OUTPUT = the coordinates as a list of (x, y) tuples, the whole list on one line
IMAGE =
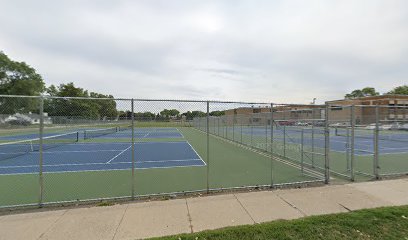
[(52, 225), (190, 220), (240, 203), (120, 222), (348, 209), (290, 204)]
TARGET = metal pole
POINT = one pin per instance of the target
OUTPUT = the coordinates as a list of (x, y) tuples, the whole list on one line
[(133, 149), (266, 133), (271, 122), (241, 127), (313, 143), (233, 128), (352, 142), (327, 145), (348, 148), (284, 140), (218, 122), (41, 177), (252, 125), (208, 148), (302, 149), (376, 142)]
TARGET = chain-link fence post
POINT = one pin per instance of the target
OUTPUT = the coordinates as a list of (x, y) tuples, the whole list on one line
[(208, 147), (313, 142), (352, 141), (266, 133), (233, 128), (271, 123), (327, 145), (302, 143), (41, 176), (133, 147), (284, 140), (376, 142), (252, 125)]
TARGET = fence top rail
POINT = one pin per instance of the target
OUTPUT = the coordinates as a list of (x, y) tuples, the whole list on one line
[(135, 99), (372, 106)]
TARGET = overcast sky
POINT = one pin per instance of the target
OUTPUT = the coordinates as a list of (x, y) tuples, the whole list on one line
[(279, 51)]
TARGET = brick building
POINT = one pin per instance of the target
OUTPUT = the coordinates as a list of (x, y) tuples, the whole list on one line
[(391, 108)]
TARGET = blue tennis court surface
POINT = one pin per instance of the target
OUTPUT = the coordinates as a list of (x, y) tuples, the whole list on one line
[(104, 156), (363, 146)]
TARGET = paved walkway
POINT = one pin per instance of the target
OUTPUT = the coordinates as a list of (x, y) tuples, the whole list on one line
[(159, 218)]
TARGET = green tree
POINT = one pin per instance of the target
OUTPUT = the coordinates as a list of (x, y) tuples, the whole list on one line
[(402, 90), (217, 113), (368, 91), (18, 78), (84, 108), (191, 115)]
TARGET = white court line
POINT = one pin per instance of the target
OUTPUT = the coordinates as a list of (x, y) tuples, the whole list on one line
[(118, 154), (180, 133), (205, 164), (86, 164), (147, 134), (79, 151), (103, 170)]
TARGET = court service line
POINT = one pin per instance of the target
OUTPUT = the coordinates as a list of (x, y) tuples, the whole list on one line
[(102, 163), (118, 154)]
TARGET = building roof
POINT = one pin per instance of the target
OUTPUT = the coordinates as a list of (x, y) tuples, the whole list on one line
[(384, 96)]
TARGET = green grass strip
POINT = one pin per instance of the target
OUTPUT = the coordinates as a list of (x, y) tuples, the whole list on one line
[(379, 223)]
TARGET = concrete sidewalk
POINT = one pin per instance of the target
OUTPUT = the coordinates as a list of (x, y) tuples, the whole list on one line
[(159, 218)]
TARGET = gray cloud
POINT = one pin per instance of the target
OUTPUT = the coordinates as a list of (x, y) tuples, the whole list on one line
[(280, 51)]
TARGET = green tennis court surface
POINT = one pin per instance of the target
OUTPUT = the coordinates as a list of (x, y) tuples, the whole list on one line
[(231, 165)]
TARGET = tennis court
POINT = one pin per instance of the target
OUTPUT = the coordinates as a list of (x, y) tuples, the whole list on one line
[(65, 153)]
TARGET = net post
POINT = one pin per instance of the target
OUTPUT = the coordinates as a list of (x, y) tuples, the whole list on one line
[(208, 148), (327, 145), (376, 142), (271, 123), (133, 148), (40, 172), (352, 141)]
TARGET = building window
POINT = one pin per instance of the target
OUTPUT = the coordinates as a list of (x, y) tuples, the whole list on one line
[(336, 108)]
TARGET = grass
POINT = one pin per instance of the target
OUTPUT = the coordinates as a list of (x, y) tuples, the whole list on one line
[(380, 223)]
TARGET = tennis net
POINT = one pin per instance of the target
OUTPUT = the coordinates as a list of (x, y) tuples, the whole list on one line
[(17, 148), (93, 133), (387, 135), (124, 128)]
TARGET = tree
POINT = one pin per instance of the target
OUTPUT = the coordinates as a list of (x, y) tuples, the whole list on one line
[(18, 78), (191, 115), (217, 113), (403, 90), (368, 91), (84, 108)]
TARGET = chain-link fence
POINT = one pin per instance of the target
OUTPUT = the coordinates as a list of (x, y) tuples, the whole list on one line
[(56, 150), (369, 141)]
